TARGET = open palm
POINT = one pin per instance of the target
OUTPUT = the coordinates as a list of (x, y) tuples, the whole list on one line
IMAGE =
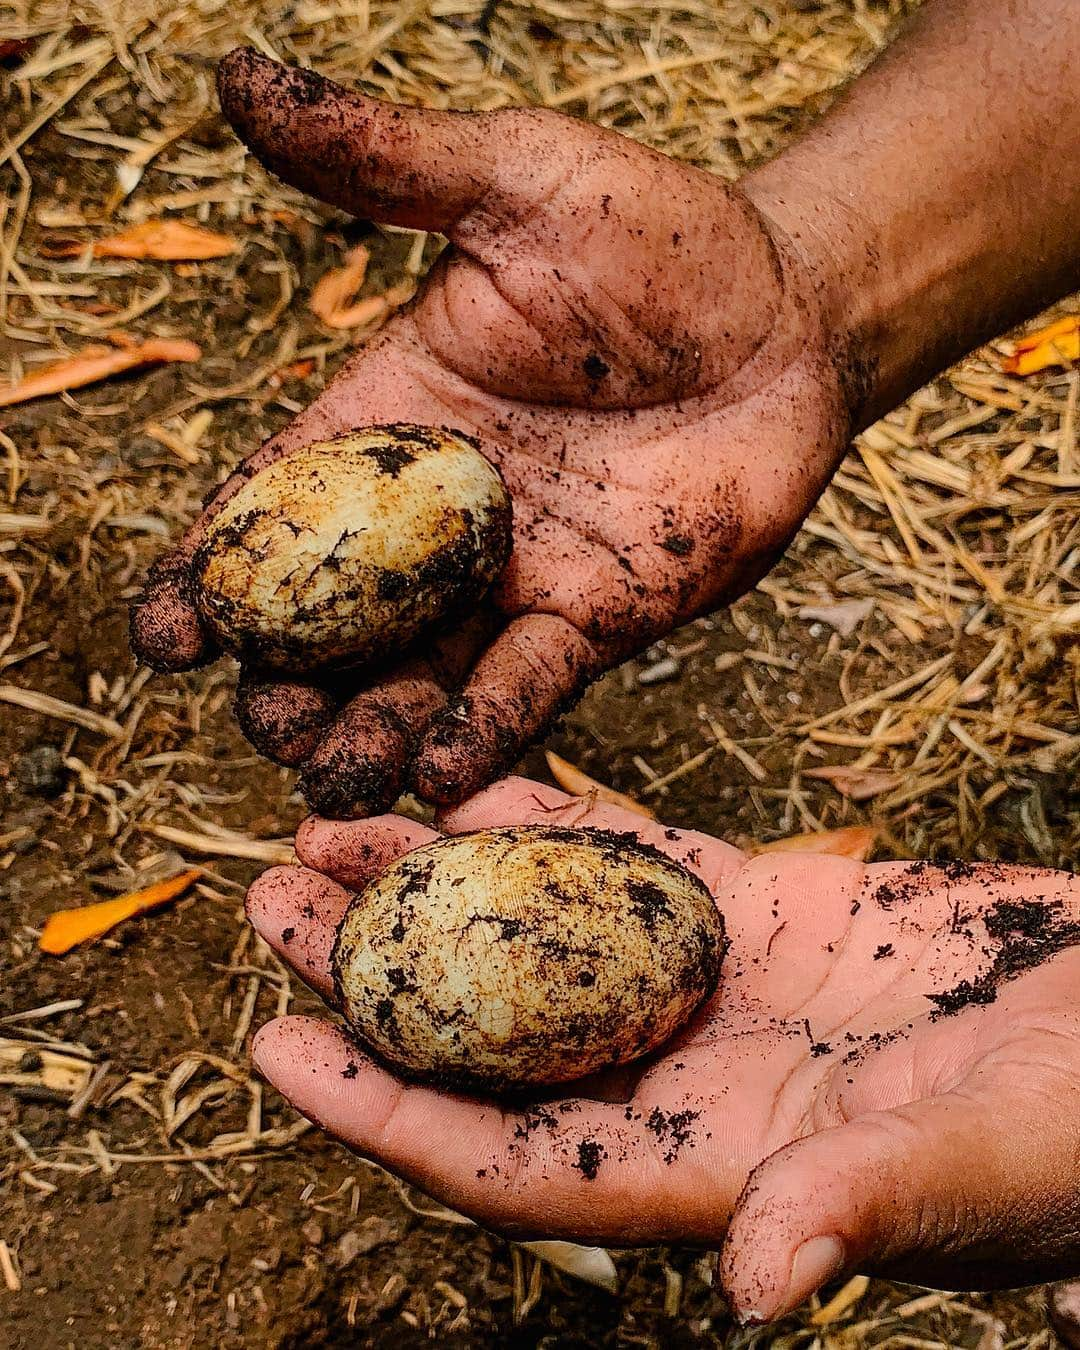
[(871, 1124), (639, 351)]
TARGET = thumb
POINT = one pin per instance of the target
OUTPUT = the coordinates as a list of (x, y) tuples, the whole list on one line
[(955, 1191), (383, 161)]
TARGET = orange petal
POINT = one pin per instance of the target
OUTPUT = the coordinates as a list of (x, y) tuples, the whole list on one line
[(571, 779), (94, 364), (354, 316), (68, 928), (1056, 345), (163, 240), (334, 292), (854, 841)]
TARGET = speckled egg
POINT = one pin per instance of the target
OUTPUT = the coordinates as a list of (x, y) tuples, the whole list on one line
[(522, 957), (345, 551)]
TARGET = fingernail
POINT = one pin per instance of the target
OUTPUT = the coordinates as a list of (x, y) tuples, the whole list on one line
[(815, 1263)]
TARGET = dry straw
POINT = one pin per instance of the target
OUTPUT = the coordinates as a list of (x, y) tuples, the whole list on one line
[(947, 548)]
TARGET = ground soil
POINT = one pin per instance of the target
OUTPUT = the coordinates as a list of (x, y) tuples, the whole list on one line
[(304, 1245)]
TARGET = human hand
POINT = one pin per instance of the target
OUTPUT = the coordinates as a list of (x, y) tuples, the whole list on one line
[(638, 350), (825, 1110)]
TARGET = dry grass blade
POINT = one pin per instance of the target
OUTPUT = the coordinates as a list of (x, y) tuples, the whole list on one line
[(9, 1270), (235, 846), (48, 706), (841, 1302), (571, 779)]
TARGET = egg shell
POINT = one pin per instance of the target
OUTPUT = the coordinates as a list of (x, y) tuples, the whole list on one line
[(522, 957), (345, 551)]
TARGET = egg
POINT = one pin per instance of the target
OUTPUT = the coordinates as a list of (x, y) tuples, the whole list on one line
[(518, 958), (345, 551)]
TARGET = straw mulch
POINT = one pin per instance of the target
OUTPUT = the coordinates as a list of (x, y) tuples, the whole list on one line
[(947, 547)]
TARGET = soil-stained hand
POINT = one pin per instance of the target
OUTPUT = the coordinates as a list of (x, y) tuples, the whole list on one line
[(885, 1080), (637, 348)]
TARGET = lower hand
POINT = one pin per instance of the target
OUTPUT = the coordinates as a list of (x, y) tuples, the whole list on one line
[(886, 1080), (640, 351)]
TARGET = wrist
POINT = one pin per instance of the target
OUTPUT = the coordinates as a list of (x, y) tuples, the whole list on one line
[(859, 297)]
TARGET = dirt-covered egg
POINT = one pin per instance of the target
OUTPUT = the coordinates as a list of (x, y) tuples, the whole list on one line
[(521, 957), (344, 551)]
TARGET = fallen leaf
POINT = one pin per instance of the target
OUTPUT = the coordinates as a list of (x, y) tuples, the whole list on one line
[(1054, 346), (845, 615), (571, 779), (69, 928), (94, 364), (854, 841), (591, 1264), (98, 308), (162, 240), (333, 295), (858, 784)]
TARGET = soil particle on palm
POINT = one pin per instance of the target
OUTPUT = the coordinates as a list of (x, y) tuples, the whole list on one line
[(673, 1130), (1028, 933), (817, 1048)]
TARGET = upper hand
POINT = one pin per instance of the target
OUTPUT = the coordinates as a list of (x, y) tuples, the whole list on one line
[(637, 348), (820, 1098)]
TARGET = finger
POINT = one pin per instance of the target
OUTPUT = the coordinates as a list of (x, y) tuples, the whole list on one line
[(297, 911), (358, 766), (533, 671), (576, 1169), (165, 631), (519, 801), (555, 570), (899, 1191), (352, 852), (383, 161), (283, 719)]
